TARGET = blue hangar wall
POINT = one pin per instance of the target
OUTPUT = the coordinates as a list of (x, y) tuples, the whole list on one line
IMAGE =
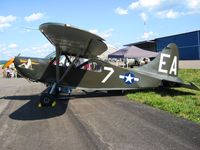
[(188, 44)]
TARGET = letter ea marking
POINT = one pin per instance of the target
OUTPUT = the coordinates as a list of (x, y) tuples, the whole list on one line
[(174, 66), (162, 62)]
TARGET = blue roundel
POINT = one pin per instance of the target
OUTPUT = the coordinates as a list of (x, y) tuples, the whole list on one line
[(129, 78)]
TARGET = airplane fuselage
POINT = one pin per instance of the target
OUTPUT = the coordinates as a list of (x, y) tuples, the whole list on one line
[(102, 76)]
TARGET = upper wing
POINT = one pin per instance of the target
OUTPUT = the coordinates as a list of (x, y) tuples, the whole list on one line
[(73, 41)]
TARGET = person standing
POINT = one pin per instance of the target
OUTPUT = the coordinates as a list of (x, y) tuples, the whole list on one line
[(8, 72)]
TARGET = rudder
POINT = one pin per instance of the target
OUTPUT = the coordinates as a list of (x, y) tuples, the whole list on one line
[(166, 62)]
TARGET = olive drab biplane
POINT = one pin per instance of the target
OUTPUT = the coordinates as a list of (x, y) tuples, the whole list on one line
[(75, 65)]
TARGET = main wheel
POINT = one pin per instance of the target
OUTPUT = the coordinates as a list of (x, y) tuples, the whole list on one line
[(46, 99)]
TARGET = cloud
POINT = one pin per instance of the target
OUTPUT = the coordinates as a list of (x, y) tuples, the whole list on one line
[(107, 33), (144, 17), (149, 4), (170, 9), (134, 5), (148, 35), (34, 17), (94, 31), (121, 11), (104, 34), (42, 50), (169, 14), (6, 47), (12, 46), (5, 21), (8, 50), (2, 46), (11, 50), (193, 4)]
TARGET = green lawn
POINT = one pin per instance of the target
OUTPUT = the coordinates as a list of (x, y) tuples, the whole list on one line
[(180, 101)]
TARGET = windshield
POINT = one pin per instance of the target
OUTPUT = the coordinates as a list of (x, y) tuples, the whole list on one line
[(51, 55), (65, 60)]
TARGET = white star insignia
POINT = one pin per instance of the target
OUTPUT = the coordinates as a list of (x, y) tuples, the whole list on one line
[(129, 78)]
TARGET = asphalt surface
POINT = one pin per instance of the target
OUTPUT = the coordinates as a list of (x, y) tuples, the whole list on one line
[(189, 64), (94, 121)]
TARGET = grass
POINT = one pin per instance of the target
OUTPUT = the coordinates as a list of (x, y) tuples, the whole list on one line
[(179, 101)]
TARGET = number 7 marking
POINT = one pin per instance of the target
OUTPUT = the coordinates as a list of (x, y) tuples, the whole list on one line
[(111, 71)]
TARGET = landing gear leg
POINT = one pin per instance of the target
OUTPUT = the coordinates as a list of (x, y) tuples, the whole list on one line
[(48, 98)]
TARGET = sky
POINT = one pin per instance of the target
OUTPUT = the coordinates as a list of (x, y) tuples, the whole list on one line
[(119, 22)]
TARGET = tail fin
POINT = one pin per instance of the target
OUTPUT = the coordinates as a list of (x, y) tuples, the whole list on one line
[(166, 62), (165, 67)]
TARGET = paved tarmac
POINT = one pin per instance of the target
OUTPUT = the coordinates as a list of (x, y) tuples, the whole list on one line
[(94, 121), (189, 64)]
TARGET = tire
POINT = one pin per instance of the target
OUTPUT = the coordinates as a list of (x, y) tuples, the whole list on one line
[(46, 99)]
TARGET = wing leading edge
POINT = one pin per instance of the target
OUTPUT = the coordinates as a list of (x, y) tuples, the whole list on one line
[(73, 41)]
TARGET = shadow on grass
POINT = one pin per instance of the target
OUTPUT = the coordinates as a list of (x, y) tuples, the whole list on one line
[(163, 92)]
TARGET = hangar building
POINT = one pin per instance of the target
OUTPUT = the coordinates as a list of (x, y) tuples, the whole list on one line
[(188, 44)]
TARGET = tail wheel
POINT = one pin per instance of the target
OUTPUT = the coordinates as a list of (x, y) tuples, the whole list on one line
[(46, 99), (169, 84)]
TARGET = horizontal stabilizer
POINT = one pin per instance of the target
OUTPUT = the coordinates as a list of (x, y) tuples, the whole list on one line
[(180, 83), (191, 85)]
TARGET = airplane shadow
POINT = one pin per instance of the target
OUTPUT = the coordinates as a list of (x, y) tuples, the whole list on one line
[(30, 111), (19, 97), (165, 92), (92, 95)]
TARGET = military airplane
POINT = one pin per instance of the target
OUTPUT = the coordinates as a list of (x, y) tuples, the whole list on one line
[(75, 64)]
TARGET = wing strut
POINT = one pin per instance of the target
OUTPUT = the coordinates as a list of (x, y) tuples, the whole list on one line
[(58, 53), (58, 78), (74, 62), (69, 68)]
